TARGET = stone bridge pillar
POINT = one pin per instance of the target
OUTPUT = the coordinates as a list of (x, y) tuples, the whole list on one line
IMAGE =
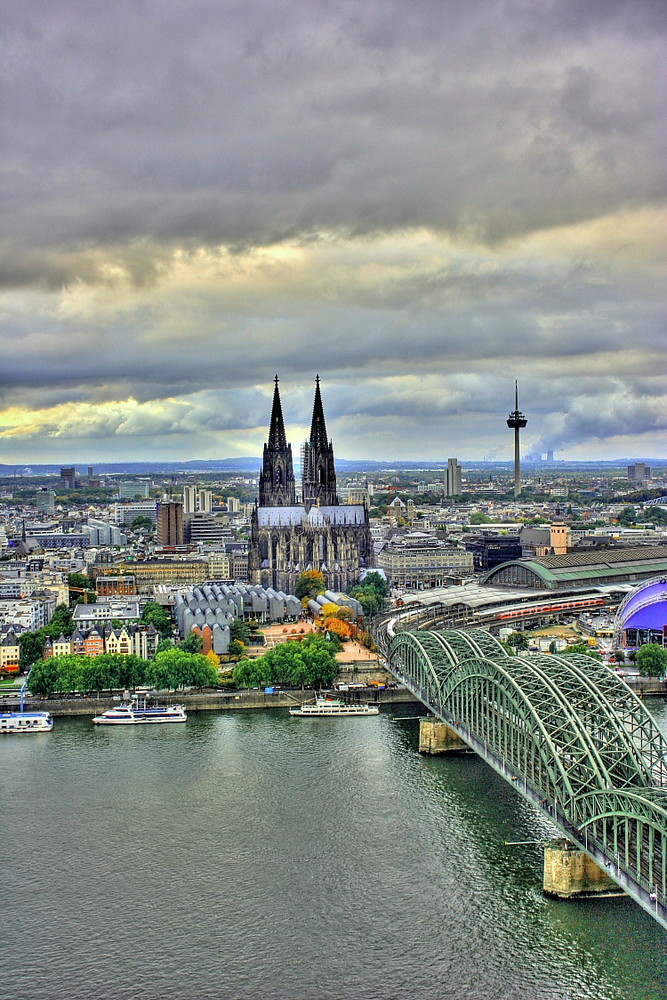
[(569, 872), (436, 736)]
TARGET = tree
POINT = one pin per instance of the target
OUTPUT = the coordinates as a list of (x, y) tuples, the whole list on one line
[(60, 623), (651, 660), (627, 517), (154, 614), (141, 521), (377, 582), (338, 627), (582, 649), (31, 648), (310, 583), (240, 631), (43, 677), (214, 658), (370, 600), (236, 647), (619, 656), (297, 664), (176, 668), (518, 641), (80, 587), (193, 643), (479, 518)]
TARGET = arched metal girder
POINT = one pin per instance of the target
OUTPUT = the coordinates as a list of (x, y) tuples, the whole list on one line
[(631, 827), (598, 731), (615, 720), (574, 732)]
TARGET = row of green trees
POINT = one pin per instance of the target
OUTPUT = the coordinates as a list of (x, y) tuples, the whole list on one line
[(310, 662), (172, 668)]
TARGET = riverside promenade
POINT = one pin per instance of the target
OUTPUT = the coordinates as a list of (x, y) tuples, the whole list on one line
[(211, 701)]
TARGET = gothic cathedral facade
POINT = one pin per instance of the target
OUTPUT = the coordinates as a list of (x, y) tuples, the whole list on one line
[(291, 533)]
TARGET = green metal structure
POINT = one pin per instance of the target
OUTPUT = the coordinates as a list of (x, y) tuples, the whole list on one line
[(568, 733)]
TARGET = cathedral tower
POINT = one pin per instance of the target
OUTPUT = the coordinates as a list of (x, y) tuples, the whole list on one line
[(318, 472), (276, 480)]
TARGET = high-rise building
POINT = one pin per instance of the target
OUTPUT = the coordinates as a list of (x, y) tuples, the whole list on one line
[(170, 529), (638, 472), (453, 478), (196, 500), (128, 489), (189, 499), (68, 477), (205, 501), (45, 501)]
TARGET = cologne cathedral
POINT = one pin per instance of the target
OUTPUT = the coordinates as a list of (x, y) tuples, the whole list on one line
[(292, 533)]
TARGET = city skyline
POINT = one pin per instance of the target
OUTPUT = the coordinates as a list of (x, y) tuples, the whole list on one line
[(421, 202)]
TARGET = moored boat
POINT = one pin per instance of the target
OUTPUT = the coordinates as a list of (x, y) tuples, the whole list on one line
[(138, 712), (333, 707), (26, 722)]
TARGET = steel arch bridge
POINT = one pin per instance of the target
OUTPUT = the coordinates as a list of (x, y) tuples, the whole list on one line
[(566, 732)]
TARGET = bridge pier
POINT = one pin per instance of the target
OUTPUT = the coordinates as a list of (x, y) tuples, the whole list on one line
[(435, 736), (569, 872)]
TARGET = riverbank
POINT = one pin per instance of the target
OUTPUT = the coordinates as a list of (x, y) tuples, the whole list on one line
[(209, 701)]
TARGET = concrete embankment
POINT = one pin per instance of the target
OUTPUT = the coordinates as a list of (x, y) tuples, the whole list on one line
[(212, 701)]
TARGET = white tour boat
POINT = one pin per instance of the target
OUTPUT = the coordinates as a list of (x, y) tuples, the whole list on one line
[(26, 722), (333, 707), (138, 712)]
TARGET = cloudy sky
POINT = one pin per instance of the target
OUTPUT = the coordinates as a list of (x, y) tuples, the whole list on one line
[(420, 200)]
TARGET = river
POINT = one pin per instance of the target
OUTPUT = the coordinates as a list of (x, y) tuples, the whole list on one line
[(254, 856)]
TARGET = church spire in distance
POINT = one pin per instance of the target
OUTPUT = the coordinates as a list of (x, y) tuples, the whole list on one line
[(318, 427), (276, 480), (317, 460), (277, 438)]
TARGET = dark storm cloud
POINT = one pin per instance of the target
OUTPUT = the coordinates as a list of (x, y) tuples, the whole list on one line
[(131, 127)]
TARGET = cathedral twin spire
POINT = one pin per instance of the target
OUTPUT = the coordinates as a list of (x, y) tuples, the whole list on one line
[(276, 482)]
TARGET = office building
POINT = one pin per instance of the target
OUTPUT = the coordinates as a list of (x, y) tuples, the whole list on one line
[(68, 477), (453, 478), (639, 472), (170, 530)]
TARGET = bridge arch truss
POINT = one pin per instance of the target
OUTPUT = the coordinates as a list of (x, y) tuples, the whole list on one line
[(571, 735)]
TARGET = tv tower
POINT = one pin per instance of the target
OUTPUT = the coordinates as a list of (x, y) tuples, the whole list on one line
[(516, 420)]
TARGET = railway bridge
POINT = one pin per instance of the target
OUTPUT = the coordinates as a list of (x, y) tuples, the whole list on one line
[(565, 731)]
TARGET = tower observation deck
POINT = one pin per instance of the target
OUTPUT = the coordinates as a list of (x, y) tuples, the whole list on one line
[(517, 420)]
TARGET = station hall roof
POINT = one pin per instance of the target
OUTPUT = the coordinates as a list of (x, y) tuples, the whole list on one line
[(577, 568)]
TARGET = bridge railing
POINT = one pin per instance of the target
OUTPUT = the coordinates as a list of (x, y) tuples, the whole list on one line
[(563, 762)]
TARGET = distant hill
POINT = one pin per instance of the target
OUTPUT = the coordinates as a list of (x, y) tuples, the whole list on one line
[(251, 465)]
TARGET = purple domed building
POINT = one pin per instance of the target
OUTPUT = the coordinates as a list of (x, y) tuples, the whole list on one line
[(642, 617)]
